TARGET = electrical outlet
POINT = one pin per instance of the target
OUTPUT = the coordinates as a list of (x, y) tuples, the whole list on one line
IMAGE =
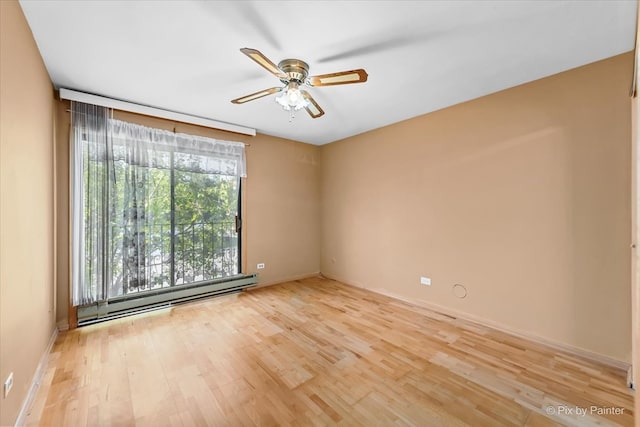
[(425, 281), (261, 266), (8, 384)]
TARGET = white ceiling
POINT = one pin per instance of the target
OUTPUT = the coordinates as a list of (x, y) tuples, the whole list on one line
[(421, 56)]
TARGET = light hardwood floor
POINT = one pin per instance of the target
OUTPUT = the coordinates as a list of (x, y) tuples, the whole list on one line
[(316, 352)]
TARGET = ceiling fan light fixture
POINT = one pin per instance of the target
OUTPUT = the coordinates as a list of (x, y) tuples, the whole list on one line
[(292, 73), (291, 98)]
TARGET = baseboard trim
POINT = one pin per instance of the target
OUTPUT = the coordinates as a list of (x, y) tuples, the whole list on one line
[(555, 345), (35, 382), (63, 325), (287, 279)]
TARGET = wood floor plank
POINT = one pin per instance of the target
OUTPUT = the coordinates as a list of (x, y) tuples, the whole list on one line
[(319, 353)]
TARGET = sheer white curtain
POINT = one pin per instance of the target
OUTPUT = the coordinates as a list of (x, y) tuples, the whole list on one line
[(120, 170), (147, 145), (89, 146)]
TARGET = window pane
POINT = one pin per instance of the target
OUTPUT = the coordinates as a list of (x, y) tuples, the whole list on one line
[(205, 241)]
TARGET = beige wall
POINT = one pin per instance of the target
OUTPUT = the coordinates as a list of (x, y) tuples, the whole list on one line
[(281, 203), (521, 196), (63, 250), (27, 291)]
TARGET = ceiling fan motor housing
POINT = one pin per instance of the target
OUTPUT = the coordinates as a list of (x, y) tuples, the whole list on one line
[(296, 69)]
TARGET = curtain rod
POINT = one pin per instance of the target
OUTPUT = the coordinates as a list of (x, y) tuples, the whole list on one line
[(88, 98), (246, 144)]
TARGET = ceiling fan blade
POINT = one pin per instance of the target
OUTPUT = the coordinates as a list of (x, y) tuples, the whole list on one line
[(313, 108), (341, 78), (264, 62), (256, 95)]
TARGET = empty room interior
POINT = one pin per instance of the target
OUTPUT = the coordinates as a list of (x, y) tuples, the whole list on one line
[(316, 213)]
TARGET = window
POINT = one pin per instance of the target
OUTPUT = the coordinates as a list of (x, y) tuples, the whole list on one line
[(177, 226), (152, 210)]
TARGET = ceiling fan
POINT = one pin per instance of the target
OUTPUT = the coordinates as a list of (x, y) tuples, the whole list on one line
[(293, 73)]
